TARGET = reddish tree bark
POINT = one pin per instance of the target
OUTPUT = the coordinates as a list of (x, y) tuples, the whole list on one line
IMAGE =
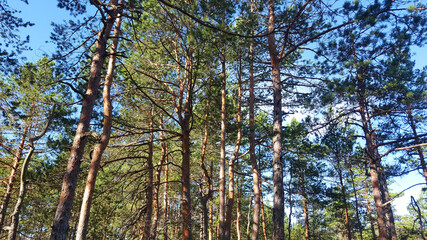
[(229, 213), (105, 138), (254, 164), (60, 224), (221, 206), (12, 175)]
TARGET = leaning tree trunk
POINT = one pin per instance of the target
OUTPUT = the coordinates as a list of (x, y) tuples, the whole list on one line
[(63, 212), (99, 149), (23, 180), (278, 191), (12, 175), (15, 215)]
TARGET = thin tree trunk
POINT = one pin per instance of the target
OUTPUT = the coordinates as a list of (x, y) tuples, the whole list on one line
[(344, 198), (165, 200), (205, 198), (146, 232), (252, 144), (239, 213), (290, 203), (356, 202), (23, 180), (278, 191), (105, 138), (211, 222), (229, 214), (22, 190), (305, 208), (264, 228), (248, 227), (417, 141), (12, 175), (186, 183), (368, 207), (63, 212), (221, 206), (156, 205)]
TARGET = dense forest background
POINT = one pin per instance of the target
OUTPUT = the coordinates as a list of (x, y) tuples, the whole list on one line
[(222, 119)]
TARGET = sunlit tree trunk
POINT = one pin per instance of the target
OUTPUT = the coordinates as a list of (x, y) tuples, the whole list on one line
[(185, 144), (248, 226), (63, 212), (12, 175), (15, 215), (238, 203), (255, 174), (222, 184), (165, 201), (229, 213), (305, 208), (264, 227), (23, 180), (105, 138)]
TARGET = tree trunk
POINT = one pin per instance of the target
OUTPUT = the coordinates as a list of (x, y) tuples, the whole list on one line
[(205, 198), (229, 214), (305, 209), (211, 222), (368, 207), (417, 141), (156, 205), (391, 228), (264, 228), (165, 201), (374, 160), (146, 231), (255, 174), (186, 184), (356, 202), (22, 190), (11, 181), (105, 138), (248, 226), (278, 191), (23, 180), (60, 224), (221, 206), (239, 213), (344, 198)]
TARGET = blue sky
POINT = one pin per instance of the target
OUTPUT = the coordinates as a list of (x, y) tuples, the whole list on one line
[(43, 12)]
